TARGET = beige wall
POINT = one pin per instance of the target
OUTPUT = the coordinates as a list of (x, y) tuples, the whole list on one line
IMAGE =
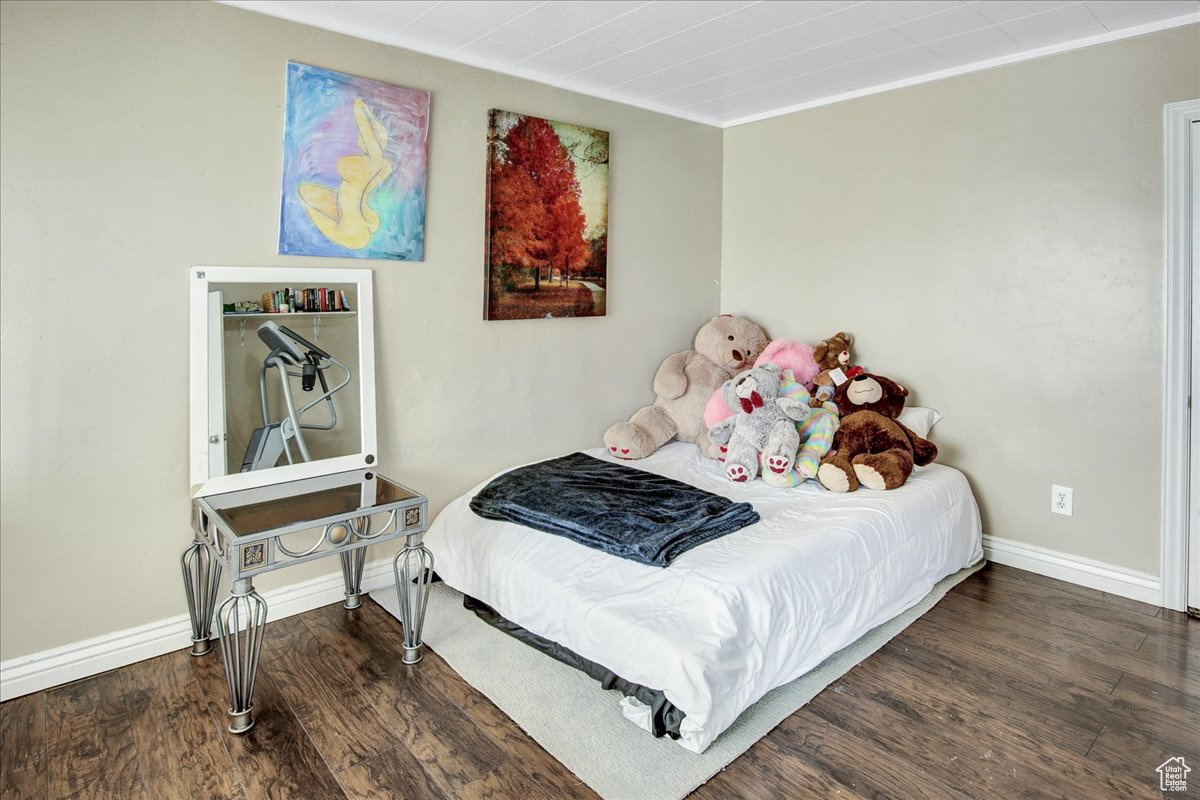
[(995, 242), (142, 138)]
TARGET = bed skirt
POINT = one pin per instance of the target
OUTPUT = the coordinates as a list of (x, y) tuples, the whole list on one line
[(664, 715)]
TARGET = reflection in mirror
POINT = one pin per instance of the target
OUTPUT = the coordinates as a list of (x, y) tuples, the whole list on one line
[(282, 375), (290, 383)]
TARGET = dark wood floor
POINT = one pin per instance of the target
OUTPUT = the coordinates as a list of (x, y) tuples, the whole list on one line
[(1013, 686)]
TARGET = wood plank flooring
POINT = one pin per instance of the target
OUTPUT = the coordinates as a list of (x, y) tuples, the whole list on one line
[(1013, 686)]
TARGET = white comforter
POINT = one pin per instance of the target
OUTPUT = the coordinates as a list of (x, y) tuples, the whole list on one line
[(734, 618)]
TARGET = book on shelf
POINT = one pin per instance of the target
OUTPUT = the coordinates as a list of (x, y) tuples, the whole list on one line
[(292, 300)]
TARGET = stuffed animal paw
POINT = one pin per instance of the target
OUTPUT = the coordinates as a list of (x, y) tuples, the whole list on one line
[(779, 453), (738, 472), (778, 464), (628, 440)]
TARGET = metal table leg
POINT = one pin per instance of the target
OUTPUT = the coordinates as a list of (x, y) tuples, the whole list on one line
[(413, 568), (352, 572), (241, 621), (353, 562), (201, 577)]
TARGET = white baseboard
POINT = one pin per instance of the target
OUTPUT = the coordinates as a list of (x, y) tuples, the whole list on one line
[(32, 673), (1074, 569)]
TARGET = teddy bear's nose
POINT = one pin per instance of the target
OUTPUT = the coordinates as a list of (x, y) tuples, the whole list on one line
[(861, 378), (737, 355)]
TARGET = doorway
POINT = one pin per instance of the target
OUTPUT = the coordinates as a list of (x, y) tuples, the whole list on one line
[(1193, 218), (1180, 570)]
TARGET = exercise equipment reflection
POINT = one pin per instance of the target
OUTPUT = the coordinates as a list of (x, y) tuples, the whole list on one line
[(292, 356)]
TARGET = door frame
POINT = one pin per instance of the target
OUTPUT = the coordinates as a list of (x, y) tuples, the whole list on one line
[(1177, 353)]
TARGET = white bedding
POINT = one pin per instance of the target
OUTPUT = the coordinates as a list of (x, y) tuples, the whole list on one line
[(732, 619)]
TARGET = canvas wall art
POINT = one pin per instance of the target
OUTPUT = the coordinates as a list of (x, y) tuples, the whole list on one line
[(355, 159), (547, 218)]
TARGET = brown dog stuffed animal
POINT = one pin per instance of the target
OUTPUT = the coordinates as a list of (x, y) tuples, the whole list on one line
[(871, 448), (830, 354)]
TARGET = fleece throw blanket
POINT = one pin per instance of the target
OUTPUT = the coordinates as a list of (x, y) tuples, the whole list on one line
[(615, 508)]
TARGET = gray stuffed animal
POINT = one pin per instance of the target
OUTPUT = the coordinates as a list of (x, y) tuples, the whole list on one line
[(763, 425)]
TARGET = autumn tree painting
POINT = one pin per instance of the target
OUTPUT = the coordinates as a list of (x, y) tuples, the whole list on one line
[(547, 217)]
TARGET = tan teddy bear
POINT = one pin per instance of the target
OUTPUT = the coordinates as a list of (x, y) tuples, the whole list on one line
[(682, 386)]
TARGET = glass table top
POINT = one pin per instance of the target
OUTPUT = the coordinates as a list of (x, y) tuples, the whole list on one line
[(282, 505)]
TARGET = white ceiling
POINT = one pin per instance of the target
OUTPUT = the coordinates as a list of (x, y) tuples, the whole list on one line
[(726, 62)]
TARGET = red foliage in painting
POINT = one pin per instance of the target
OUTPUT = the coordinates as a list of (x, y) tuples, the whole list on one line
[(536, 219), (514, 196), (534, 147), (564, 246)]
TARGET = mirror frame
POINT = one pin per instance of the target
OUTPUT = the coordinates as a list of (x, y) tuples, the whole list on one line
[(200, 279)]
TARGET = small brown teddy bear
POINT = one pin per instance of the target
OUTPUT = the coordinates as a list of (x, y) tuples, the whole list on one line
[(830, 354), (871, 448)]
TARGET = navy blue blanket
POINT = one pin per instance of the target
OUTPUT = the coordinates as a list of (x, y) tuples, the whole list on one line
[(612, 507)]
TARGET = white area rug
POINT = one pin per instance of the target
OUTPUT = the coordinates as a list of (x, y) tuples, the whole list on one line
[(582, 725)]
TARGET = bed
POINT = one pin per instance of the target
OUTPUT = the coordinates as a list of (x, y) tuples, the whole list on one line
[(731, 619)]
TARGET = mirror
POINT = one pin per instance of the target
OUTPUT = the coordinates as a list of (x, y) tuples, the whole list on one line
[(282, 375)]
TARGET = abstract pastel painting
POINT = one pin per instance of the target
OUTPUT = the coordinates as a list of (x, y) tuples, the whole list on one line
[(355, 157), (547, 218)]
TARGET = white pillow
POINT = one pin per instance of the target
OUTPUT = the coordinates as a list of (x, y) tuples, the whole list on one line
[(919, 420)]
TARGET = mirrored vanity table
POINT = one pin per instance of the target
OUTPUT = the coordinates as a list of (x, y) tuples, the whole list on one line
[(292, 502)]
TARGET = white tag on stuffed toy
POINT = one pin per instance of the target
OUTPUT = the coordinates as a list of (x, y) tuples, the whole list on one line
[(838, 376)]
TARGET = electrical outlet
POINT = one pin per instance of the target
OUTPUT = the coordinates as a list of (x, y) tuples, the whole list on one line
[(1060, 500)]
